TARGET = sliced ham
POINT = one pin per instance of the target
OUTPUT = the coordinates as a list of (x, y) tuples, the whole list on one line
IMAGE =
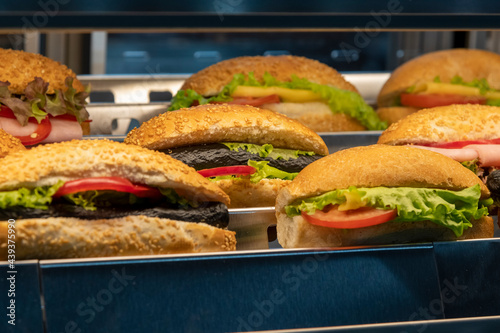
[(460, 155), (489, 155), (62, 130)]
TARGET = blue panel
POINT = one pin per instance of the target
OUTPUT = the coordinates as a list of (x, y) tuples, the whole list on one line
[(241, 292), (26, 288), (470, 277)]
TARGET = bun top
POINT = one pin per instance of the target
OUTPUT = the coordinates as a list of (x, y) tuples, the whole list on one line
[(211, 80), (380, 165), (467, 63), (9, 144), (20, 68), (211, 123), (70, 160), (445, 124)]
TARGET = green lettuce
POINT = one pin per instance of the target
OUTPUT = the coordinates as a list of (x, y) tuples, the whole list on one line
[(450, 209), (268, 150), (339, 100), (36, 103), (472, 165), (41, 197), (38, 197)]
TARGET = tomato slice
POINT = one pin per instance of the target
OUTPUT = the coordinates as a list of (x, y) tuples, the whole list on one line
[(331, 217), (41, 133), (461, 144), (240, 170), (253, 101), (118, 184), (432, 100)]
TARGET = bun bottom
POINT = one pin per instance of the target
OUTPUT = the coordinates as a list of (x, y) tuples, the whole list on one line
[(244, 194), (317, 116), (395, 113), (296, 232), (56, 238)]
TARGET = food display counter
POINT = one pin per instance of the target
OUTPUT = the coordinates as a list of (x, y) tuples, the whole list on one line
[(426, 287)]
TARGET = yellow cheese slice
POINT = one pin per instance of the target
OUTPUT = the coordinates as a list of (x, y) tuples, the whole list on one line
[(286, 95), (457, 89)]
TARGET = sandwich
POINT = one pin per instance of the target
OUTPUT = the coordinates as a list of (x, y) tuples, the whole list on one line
[(377, 195), (470, 134), (456, 76), (248, 152), (9, 144), (99, 198), (41, 100), (301, 88)]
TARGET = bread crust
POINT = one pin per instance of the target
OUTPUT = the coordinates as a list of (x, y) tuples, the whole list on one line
[(9, 144), (379, 165), (470, 64), (244, 194), (445, 124), (317, 116), (393, 114), (224, 122), (47, 164), (20, 68), (211, 80), (296, 232), (55, 238)]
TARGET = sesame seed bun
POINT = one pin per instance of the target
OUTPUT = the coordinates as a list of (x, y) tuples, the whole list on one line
[(9, 144), (225, 123), (211, 80), (56, 238), (445, 124), (20, 68), (373, 166)]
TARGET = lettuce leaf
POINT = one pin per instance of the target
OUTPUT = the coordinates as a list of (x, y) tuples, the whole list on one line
[(339, 100), (268, 150), (37, 103), (38, 197), (451, 209)]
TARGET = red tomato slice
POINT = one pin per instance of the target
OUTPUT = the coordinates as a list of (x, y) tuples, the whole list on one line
[(331, 217), (461, 144), (253, 101), (118, 184), (432, 100), (240, 170), (41, 133)]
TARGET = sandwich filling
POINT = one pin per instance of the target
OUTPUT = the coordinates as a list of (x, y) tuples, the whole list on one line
[(106, 198), (250, 91), (227, 160), (362, 207), (457, 91), (36, 116)]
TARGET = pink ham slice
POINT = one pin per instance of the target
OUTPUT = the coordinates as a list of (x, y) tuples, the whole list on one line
[(460, 155), (62, 130), (489, 155)]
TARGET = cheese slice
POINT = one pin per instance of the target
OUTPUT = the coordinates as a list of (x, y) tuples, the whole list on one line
[(456, 89), (285, 94)]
